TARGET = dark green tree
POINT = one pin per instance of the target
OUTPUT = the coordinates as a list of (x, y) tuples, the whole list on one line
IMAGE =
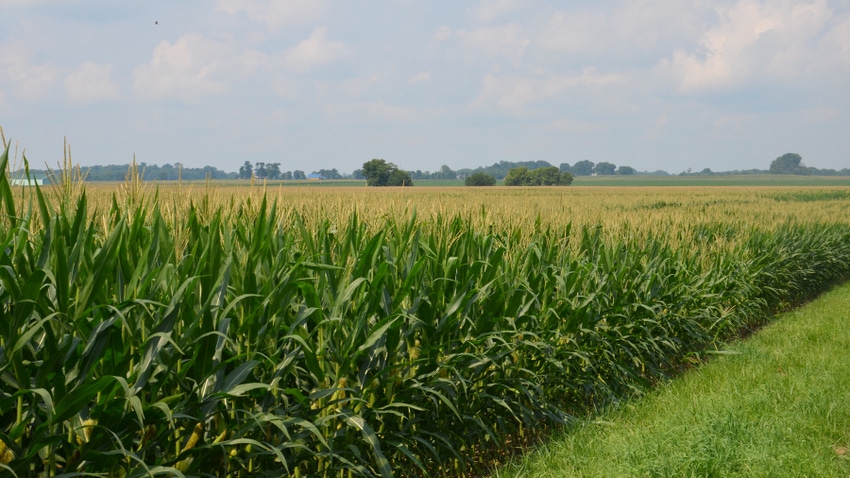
[(545, 176), (445, 172), (520, 176), (583, 168), (789, 163), (298, 175), (381, 173), (399, 178), (377, 172), (626, 171), (549, 176), (246, 170), (480, 179), (273, 170), (260, 170), (604, 169), (329, 173)]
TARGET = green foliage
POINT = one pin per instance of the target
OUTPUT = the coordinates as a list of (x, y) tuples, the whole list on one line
[(246, 170), (399, 178), (262, 342), (480, 179), (518, 177), (583, 168), (381, 173), (546, 176), (500, 170), (789, 163), (765, 406), (604, 169)]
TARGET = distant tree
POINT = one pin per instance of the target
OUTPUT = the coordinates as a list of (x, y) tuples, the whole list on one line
[(707, 172), (358, 174), (445, 173), (626, 171), (399, 177), (604, 169), (246, 170), (329, 173), (788, 163), (377, 172), (298, 175), (545, 176), (583, 168), (480, 179), (549, 176), (260, 170), (273, 170), (381, 173), (565, 167), (518, 177), (286, 176)]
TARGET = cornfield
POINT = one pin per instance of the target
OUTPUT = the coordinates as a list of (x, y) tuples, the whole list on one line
[(256, 334)]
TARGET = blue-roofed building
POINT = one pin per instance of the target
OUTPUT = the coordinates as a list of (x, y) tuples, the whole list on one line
[(315, 177)]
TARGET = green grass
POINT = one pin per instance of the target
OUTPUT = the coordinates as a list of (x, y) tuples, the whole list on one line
[(777, 404)]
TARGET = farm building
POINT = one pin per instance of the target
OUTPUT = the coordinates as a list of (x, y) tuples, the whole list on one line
[(315, 176), (28, 181)]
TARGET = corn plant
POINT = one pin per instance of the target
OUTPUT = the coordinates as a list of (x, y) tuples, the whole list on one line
[(252, 339)]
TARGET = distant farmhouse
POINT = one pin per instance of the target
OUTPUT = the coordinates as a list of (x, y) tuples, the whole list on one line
[(28, 181), (315, 177)]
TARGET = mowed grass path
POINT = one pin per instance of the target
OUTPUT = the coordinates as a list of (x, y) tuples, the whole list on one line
[(776, 404)]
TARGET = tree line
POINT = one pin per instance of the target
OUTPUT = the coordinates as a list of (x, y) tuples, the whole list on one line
[(262, 170), (792, 163), (382, 172)]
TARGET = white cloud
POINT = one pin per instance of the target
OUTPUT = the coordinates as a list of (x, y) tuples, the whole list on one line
[(419, 78), (515, 93), (29, 81), (628, 27), (317, 50), (489, 10), (274, 13), (836, 43), (91, 82), (193, 67), (753, 39), (509, 41), (375, 109), (443, 33)]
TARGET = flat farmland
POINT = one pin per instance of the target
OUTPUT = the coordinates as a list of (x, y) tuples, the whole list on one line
[(236, 330)]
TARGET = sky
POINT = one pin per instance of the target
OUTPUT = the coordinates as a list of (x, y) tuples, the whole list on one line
[(321, 84)]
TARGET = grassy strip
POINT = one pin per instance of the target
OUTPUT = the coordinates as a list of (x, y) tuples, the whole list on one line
[(777, 404)]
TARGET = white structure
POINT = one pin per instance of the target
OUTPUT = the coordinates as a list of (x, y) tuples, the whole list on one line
[(27, 182)]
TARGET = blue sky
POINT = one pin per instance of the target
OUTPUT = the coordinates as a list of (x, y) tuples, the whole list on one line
[(312, 84)]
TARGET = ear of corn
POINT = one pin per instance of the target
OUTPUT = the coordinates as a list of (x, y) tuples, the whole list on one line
[(248, 338)]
